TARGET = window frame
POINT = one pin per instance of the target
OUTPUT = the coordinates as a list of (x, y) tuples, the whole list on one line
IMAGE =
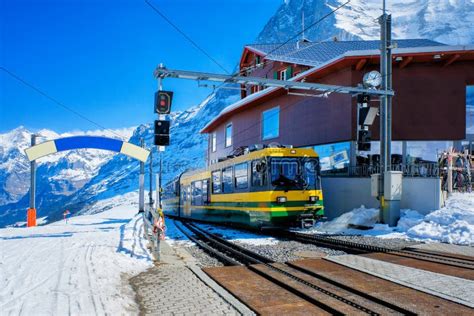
[(226, 134), (236, 187), (282, 74), (231, 183), (213, 182), (196, 196), (263, 178), (263, 123), (214, 142)]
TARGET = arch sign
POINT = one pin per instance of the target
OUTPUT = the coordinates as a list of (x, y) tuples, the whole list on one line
[(78, 142), (75, 142)]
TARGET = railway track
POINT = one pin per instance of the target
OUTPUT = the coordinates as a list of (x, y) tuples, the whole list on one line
[(358, 248), (453, 260), (323, 292)]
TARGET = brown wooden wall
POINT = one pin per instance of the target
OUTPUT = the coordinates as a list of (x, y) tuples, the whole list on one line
[(430, 104)]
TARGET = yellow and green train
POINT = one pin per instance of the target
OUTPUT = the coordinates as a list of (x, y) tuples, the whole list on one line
[(267, 188)]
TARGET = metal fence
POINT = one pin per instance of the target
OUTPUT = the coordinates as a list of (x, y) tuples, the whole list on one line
[(152, 234), (426, 170)]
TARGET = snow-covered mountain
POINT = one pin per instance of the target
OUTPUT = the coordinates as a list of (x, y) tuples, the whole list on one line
[(77, 179), (446, 21), (58, 175)]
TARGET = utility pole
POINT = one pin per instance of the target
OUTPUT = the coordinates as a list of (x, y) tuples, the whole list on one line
[(390, 182), (141, 181), (31, 213)]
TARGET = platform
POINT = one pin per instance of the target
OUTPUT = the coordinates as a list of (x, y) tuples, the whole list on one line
[(447, 248), (176, 286), (448, 287)]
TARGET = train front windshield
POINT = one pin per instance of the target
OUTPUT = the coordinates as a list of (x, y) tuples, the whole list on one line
[(295, 173)]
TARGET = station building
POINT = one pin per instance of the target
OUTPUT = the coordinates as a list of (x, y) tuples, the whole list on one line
[(430, 81)]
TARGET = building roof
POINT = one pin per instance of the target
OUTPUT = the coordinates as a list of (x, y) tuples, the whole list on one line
[(325, 56), (314, 54)]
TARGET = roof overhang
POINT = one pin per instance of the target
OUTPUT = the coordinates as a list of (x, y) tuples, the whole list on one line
[(350, 56)]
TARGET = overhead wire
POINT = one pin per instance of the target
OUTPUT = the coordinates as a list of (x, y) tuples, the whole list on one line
[(54, 100), (189, 39)]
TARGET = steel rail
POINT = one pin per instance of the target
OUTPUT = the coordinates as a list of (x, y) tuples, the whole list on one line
[(251, 257), (353, 247)]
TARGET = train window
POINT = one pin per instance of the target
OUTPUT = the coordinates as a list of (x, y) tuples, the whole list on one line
[(205, 191), (258, 178), (286, 168), (196, 198), (227, 185), (241, 176), (216, 182)]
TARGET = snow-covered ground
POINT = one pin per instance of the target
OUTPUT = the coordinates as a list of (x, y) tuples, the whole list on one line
[(453, 223), (80, 267)]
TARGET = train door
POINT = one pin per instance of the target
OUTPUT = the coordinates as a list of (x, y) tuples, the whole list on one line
[(186, 200)]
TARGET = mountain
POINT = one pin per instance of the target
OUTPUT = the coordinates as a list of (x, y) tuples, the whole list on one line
[(58, 175), (115, 174), (446, 21), (78, 179)]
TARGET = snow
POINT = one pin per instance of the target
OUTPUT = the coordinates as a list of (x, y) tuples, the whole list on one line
[(454, 223), (79, 267), (446, 21), (240, 236)]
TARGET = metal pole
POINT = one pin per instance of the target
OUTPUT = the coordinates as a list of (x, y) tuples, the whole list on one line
[(141, 181), (150, 193), (31, 212), (160, 148), (390, 200), (389, 87), (33, 176), (159, 177)]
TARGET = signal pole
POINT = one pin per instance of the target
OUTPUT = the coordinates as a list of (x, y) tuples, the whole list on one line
[(141, 183), (161, 117), (31, 213), (390, 183)]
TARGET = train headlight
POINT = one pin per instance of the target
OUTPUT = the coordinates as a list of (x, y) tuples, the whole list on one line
[(281, 199), (313, 198)]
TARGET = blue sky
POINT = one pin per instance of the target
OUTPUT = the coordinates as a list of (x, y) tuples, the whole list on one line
[(98, 56)]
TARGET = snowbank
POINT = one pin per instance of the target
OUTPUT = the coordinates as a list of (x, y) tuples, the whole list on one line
[(79, 267), (453, 223)]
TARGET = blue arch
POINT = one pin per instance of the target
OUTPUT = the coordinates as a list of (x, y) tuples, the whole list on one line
[(79, 142)]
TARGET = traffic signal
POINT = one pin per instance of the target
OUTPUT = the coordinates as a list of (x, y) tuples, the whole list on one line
[(363, 140), (163, 102), (162, 140), (162, 127), (363, 98), (162, 133)]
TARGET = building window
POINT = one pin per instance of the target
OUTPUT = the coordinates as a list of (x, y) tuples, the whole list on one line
[(271, 123), (241, 176), (282, 74), (257, 59), (214, 142), (228, 135), (216, 182), (227, 186)]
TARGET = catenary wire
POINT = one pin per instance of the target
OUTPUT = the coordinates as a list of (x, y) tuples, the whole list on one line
[(186, 36), (54, 100)]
